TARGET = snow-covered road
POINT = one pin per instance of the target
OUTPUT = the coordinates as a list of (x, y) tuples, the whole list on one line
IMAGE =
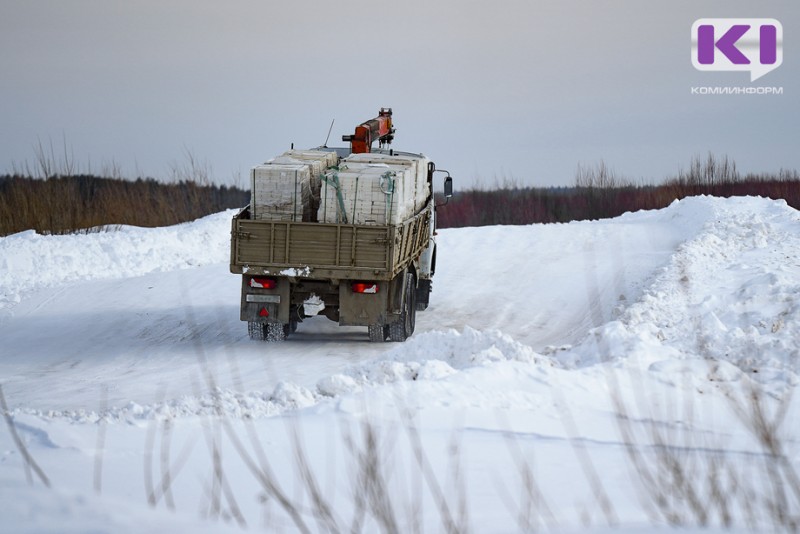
[(685, 302), (139, 336)]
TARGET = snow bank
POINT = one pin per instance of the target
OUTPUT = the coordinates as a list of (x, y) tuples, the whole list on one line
[(30, 261), (432, 356), (39, 510), (729, 294), (428, 356)]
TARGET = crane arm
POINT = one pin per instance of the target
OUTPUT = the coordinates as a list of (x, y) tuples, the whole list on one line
[(378, 129)]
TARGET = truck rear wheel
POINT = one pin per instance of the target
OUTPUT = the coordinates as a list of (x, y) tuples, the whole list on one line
[(257, 331), (378, 333), (268, 331), (277, 331), (402, 329)]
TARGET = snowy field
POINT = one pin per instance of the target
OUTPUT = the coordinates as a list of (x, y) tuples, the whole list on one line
[(632, 373)]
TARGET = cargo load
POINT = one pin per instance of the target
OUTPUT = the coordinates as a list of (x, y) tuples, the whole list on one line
[(282, 191), (368, 189), (368, 194), (279, 191), (417, 164), (328, 159)]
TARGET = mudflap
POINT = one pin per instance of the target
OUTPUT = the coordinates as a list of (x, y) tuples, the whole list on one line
[(423, 294), (363, 309), (265, 305)]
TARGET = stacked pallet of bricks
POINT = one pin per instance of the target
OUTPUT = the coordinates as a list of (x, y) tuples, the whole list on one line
[(279, 190), (318, 161), (287, 188), (363, 191), (417, 165)]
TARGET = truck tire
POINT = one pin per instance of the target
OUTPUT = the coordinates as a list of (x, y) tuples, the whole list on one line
[(378, 333), (402, 329), (276, 331), (268, 331), (257, 331)]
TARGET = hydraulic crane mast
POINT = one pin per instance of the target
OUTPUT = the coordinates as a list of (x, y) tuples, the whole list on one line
[(378, 129)]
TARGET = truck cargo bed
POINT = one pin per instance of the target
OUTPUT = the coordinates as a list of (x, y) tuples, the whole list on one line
[(325, 250)]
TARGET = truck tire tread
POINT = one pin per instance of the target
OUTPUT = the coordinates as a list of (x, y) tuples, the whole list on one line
[(402, 329), (378, 333), (257, 331), (277, 332)]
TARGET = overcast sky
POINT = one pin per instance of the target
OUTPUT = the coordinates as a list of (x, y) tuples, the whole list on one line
[(492, 91)]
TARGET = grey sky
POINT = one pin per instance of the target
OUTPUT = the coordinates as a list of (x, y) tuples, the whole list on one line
[(490, 90)]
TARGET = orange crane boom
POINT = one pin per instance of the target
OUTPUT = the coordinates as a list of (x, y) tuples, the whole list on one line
[(378, 129)]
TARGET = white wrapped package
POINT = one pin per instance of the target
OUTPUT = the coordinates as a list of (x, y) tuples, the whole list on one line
[(318, 162), (328, 159), (280, 191), (367, 194), (418, 164)]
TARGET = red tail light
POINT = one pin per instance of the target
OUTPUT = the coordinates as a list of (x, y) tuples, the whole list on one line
[(364, 287), (263, 283)]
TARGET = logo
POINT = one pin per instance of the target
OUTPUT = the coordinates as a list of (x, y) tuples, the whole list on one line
[(754, 45)]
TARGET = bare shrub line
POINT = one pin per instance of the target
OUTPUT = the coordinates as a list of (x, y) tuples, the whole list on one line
[(533, 505), (100, 443), (688, 484), (691, 485), (171, 473), (166, 473), (371, 491), (584, 459), (220, 486), (147, 458), (321, 508), (599, 192), (423, 462), (458, 481), (28, 461), (262, 471), (55, 195), (192, 169), (86, 203), (214, 430), (767, 429)]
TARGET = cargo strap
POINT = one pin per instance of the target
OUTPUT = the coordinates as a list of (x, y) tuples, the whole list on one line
[(387, 185), (332, 179)]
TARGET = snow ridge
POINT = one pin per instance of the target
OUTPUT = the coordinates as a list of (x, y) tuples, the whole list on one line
[(31, 261), (427, 356), (730, 294)]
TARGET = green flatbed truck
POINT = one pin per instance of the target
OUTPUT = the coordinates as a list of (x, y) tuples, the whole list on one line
[(370, 275)]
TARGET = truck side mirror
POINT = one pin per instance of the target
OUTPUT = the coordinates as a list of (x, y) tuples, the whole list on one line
[(448, 187)]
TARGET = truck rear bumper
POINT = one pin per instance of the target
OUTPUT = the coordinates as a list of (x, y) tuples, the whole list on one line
[(286, 300)]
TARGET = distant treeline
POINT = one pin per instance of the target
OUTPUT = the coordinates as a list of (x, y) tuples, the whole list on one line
[(82, 203), (598, 193)]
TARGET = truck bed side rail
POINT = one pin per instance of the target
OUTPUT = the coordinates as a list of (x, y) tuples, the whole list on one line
[(322, 250)]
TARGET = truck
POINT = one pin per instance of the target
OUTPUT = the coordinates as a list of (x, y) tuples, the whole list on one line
[(347, 233)]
